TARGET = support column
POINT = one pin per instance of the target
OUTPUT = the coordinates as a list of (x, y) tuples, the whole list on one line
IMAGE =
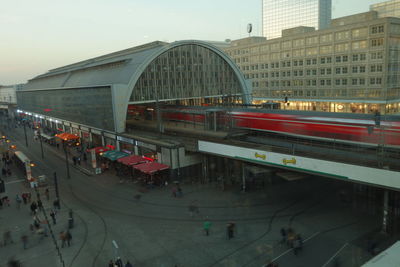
[(136, 150), (385, 212), (243, 177)]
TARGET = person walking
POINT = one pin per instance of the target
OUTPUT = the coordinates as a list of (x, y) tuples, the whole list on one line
[(47, 194), (206, 227), (128, 264), (68, 237), (111, 263), (24, 239), (230, 227), (63, 238), (25, 198), (33, 208), (119, 262), (40, 205), (53, 217)]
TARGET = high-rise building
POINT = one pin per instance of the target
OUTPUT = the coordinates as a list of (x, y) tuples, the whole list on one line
[(387, 9), (352, 66), (278, 15)]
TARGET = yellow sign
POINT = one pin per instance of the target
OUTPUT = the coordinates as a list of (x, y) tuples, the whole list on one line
[(261, 156), (286, 161)]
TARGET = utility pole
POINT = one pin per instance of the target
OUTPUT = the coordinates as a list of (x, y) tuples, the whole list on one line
[(26, 137), (41, 144), (66, 159)]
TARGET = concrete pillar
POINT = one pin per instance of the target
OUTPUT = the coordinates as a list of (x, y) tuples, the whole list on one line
[(103, 141), (136, 150), (385, 212), (243, 177)]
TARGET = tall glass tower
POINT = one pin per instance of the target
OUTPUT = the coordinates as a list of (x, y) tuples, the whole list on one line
[(278, 15)]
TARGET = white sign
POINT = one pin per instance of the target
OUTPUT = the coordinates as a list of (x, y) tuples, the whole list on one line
[(124, 139), (93, 156)]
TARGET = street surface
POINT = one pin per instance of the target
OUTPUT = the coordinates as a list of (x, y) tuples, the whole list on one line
[(158, 229)]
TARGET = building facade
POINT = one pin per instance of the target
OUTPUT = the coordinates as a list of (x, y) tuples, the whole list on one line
[(353, 66), (278, 15), (387, 9)]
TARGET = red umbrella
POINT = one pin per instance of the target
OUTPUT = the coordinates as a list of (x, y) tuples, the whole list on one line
[(151, 167)]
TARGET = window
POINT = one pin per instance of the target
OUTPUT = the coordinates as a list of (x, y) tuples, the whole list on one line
[(377, 42), (329, 71), (322, 82), (363, 57), (300, 73), (338, 59), (295, 73), (342, 35), (344, 70), (328, 82), (344, 81), (322, 71), (337, 82), (372, 81), (379, 68), (329, 60), (337, 71), (314, 82), (378, 80), (354, 81), (300, 62), (326, 49), (308, 61), (361, 32), (362, 81), (322, 60), (372, 68), (295, 63), (326, 38), (314, 61), (362, 69), (354, 69), (314, 72), (345, 58), (308, 72)]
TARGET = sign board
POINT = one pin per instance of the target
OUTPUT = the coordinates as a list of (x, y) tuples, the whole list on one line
[(126, 140), (149, 146), (93, 156)]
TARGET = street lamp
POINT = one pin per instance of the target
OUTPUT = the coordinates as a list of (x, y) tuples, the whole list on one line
[(41, 144), (26, 138), (64, 141)]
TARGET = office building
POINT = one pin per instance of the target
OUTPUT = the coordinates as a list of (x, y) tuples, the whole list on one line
[(353, 66), (387, 9), (278, 15)]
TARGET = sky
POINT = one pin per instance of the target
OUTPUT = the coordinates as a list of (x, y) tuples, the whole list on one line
[(39, 35)]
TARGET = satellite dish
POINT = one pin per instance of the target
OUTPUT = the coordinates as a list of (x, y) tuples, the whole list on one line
[(249, 28)]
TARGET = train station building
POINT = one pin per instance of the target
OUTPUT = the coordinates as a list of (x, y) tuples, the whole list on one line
[(95, 98)]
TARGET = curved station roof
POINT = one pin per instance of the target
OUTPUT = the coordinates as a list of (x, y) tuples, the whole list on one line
[(156, 71)]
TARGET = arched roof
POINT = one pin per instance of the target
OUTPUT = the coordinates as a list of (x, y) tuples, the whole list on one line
[(122, 67)]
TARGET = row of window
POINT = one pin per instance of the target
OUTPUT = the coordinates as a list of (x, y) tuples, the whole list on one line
[(322, 93), (314, 72), (313, 40), (323, 82), (314, 61)]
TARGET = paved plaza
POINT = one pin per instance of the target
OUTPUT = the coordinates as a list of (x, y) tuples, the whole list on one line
[(153, 228)]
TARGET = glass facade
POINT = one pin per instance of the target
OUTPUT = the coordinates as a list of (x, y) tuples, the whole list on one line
[(88, 106), (184, 72), (279, 15)]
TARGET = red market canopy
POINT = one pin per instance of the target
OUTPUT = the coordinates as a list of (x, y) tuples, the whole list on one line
[(67, 136), (99, 149), (151, 167), (132, 160)]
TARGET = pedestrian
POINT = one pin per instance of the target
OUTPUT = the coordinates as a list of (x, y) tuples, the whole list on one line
[(33, 208), (68, 237), (63, 238), (24, 239), (283, 235), (84, 157), (119, 263), (4, 171), (179, 193), (56, 204), (8, 172), (7, 237), (290, 237), (111, 263), (128, 264), (29, 197), (47, 194), (193, 209), (24, 198), (78, 160), (18, 201), (230, 227), (206, 226), (40, 204), (74, 160), (174, 190), (53, 216)]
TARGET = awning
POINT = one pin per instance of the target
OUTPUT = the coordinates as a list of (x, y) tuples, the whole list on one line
[(151, 167), (132, 160), (45, 136), (114, 155), (99, 149), (67, 136)]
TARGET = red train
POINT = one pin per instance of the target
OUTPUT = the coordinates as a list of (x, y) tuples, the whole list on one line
[(339, 127)]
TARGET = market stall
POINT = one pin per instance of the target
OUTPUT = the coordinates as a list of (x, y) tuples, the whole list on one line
[(153, 174)]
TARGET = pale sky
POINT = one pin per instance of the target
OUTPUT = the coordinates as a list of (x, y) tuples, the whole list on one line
[(38, 35)]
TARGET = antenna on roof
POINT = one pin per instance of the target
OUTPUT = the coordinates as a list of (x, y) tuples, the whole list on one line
[(249, 28)]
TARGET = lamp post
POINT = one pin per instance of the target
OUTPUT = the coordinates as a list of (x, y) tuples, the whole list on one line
[(66, 158), (41, 144), (26, 137)]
